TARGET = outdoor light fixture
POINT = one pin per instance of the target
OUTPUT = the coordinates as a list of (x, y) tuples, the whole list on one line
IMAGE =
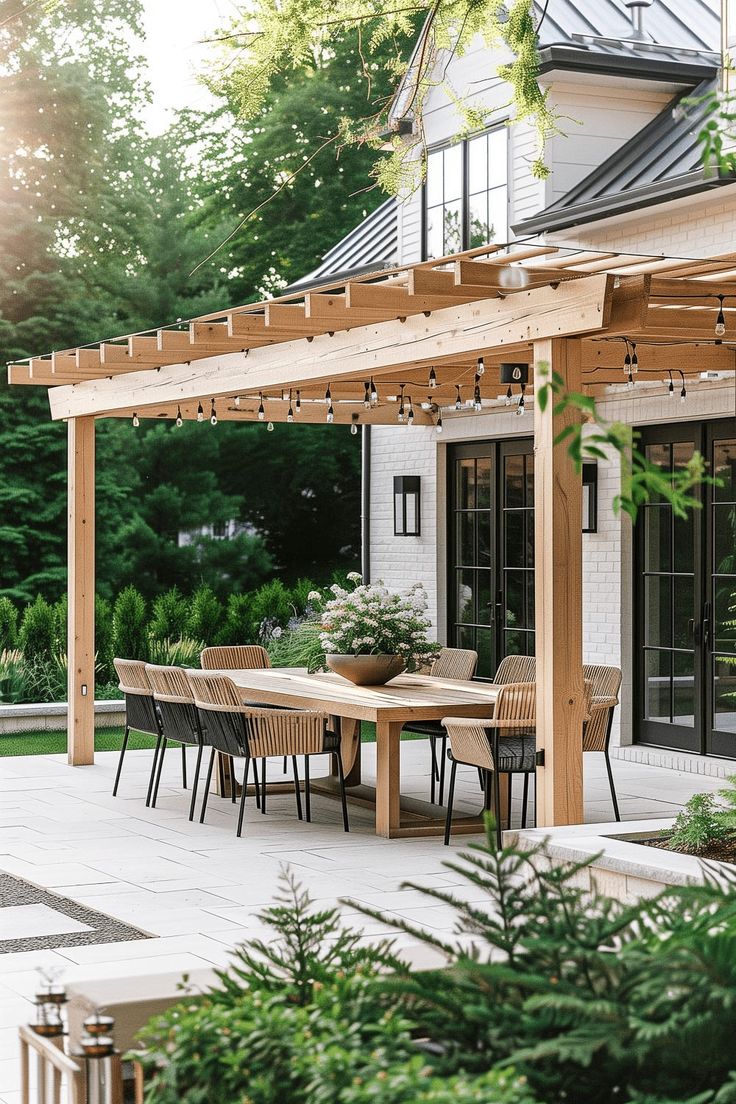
[(720, 320), (480, 367), (374, 393), (136, 421), (432, 381), (410, 416), (213, 413), (328, 396), (683, 392), (671, 386), (179, 419), (269, 427), (458, 400), (590, 497), (438, 426), (401, 404), (520, 407), (514, 373), (298, 404), (406, 505), (236, 400), (354, 425), (330, 413), (290, 413), (477, 403), (367, 397), (261, 410), (200, 413)]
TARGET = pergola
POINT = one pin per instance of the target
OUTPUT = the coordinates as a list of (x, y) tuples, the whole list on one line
[(372, 339)]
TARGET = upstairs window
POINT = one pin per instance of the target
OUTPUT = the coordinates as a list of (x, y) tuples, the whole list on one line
[(466, 194)]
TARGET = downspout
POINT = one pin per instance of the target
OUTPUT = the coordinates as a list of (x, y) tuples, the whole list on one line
[(365, 503)]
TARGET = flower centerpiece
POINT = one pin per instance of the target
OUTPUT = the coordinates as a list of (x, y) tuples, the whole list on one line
[(370, 634)]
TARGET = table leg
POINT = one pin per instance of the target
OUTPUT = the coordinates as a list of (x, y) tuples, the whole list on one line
[(388, 777)]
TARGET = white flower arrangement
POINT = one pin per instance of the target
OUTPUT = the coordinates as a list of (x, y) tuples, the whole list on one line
[(372, 620)]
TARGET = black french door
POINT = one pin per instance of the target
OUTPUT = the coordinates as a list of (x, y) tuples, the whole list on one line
[(685, 599), (491, 550)]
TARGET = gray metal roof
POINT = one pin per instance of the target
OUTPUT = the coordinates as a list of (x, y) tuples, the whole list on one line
[(661, 162), (374, 243), (682, 24)]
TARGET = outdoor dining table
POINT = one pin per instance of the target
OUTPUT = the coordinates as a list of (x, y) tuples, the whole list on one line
[(404, 699)]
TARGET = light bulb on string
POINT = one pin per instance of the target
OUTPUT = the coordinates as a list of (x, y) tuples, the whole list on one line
[(432, 381), (634, 358), (627, 359), (520, 408), (477, 404), (330, 413), (401, 404), (438, 426), (374, 392), (721, 319), (683, 391), (458, 400), (136, 421), (200, 413), (213, 413), (328, 396), (354, 429), (179, 419), (367, 396), (236, 401), (298, 403), (290, 414), (671, 385), (261, 408), (509, 396), (410, 416), (269, 427), (480, 367)]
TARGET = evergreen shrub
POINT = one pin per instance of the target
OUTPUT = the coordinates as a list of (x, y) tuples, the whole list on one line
[(129, 628), (8, 625), (170, 616), (206, 616)]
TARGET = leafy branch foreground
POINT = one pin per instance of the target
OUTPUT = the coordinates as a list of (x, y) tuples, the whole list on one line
[(552, 992)]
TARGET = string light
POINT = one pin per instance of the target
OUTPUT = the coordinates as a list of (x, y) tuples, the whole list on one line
[(298, 403), (328, 396), (290, 413), (432, 381), (330, 413), (269, 427), (721, 319), (458, 400), (627, 359), (476, 394), (200, 413), (401, 404), (367, 396), (261, 408), (438, 427), (236, 400), (354, 426), (213, 413), (520, 408), (136, 421), (509, 396), (671, 387), (374, 392), (179, 419), (683, 392), (480, 367), (634, 358), (410, 417)]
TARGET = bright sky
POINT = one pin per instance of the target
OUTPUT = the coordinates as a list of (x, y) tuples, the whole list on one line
[(174, 30)]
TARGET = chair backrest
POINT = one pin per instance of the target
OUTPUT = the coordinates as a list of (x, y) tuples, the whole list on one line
[(455, 663), (173, 696), (516, 707), (285, 732), (605, 683), (220, 710), (516, 668), (235, 657), (140, 711), (469, 741)]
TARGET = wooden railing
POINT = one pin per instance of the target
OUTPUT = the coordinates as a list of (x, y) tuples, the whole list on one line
[(59, 1078)]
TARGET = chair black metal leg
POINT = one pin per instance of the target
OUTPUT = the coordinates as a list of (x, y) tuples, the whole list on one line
[(243, 794), (611, 784), (123, 749), (297, 791), (443, 760), (286, 764), (221, 773), (207, 786), (434, 772), (307, 791), (510, 795), (184, 765), (154, 764), (450, 796), (154, 799), (481, 780), (196, 781), (497, 805), (263, 786), (343, 797), (524, 800), (256, 784), (486, 790)]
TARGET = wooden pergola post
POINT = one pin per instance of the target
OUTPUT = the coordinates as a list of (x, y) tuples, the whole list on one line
[(558, 596), (81, 587)]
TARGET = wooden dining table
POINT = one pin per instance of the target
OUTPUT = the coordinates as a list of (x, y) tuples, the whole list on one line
[(404, 699)]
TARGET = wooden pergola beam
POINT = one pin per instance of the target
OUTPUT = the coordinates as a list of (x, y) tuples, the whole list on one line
[(468, 330)]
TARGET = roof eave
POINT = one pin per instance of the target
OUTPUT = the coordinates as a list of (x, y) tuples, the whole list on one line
[(597, 209), (645, 67)]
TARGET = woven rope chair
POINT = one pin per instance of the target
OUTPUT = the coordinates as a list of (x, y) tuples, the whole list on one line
[(235, 657), (451, 663), (605, 684), (140, 713), (179, 721), (516, 668), (236, 728), (506, 742)]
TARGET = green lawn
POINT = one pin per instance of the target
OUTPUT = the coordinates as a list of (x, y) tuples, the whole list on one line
[(106, 739)]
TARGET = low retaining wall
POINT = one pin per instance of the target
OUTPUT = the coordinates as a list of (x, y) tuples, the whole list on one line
[(623, 868), (52, 716)]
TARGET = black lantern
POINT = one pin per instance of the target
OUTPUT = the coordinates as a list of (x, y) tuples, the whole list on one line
[(590, 497), (406, 506), (514, 373)]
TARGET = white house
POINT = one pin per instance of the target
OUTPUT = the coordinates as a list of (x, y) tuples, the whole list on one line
[(626, 178)]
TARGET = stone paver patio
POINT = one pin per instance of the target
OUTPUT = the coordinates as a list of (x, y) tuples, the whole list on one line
[(198, 888)]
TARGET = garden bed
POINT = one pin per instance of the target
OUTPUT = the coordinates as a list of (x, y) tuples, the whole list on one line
[(718, 852), (51, 716)]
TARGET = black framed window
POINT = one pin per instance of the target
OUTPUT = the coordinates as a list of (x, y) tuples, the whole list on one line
[(466, 194)]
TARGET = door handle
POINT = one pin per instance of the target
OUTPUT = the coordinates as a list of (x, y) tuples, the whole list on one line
[(691, 628), (706, 625)]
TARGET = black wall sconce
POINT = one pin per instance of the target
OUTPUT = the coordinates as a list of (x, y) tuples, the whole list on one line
[(406, 506), (514, 373), (590, 497)]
